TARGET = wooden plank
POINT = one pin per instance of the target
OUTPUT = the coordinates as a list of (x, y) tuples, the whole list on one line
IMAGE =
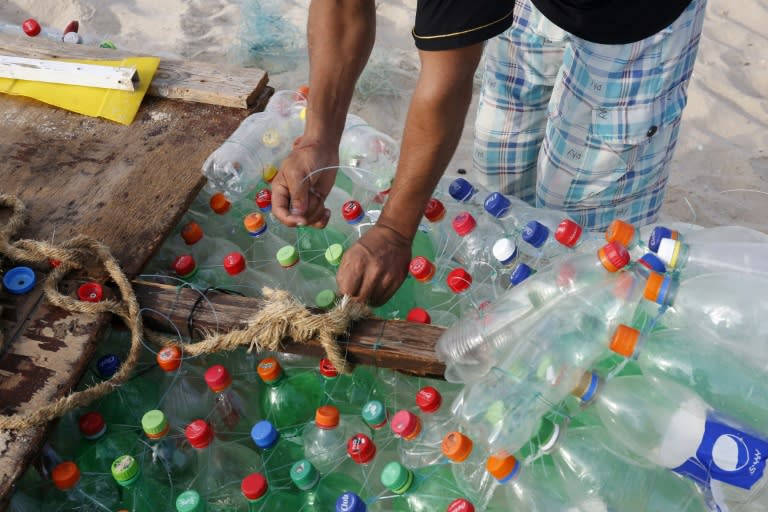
[(71, 73), (125, 185), (405, 346), (201, 82)]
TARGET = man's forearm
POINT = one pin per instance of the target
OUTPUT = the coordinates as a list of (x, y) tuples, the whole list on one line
[(432, 131), (340, 35)]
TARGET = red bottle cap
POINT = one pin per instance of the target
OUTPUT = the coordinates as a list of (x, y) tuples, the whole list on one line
[(254, 486), (429, 399), (352, 211), (218, 378), (31, 27), (234, 263), (458, 280), (191, 233), (405, 424), (90, 292), (184, 265), (568, 233), (435, 210), (264, 199), (361, 449), (419, 316), (199, 434), (327, 369), (464, 223), (169, 358), (460, 505), (91, 424), (421, 268), (613, 256)]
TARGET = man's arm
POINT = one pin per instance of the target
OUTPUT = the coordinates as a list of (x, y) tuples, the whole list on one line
[(374, 268), (340, 35)]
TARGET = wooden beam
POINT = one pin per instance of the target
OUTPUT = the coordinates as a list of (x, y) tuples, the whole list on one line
[(400, 345), (200, 82)]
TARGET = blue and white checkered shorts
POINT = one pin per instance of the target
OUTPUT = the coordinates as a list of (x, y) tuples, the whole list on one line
[(582, 127)]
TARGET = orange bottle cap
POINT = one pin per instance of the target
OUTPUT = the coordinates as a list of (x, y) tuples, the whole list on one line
[(456, 446), (65, 475), (620, 231), (502, 466), (624, 340), (304, 91), (191, 233), (169, 358), (653, 286), (269, 369), (255, 223), (219, 203), (327, 417), (613, 256)]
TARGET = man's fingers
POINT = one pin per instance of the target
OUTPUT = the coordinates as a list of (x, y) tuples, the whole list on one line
[(281, 200)]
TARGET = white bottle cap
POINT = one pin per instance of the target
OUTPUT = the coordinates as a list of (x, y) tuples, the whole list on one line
[(72, 37), (504, 250), (667, 252)]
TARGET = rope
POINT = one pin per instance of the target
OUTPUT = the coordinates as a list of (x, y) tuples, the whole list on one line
[(283, 315)]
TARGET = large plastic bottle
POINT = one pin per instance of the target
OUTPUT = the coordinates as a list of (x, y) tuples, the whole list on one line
[(183, 393), (140, 493), (325, 439), (469, 468), (232, 413), (693, 258), (425, 489), (127, 403), (264, 497), (163, 456), (101, 445), (277, 453), (314, 285), (365, 463), (319, 493), (697, 234), (348, 393), (89, 491), (421, 435), (670, 425), (233, 273)]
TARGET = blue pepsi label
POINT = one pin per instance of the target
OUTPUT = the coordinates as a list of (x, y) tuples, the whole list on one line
[(728, 455)]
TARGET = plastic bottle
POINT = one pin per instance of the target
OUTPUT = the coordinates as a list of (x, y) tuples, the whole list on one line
[(190, 501), (163, 457), (348, 393), (263, 497), (461, 190), (696, 234), (277, 453), (232, 413), (365, 463), (183, 393), (469, 468), (260, 242), (514, 213), (325, 439), (426, 489), (289, 401), (319, 494), (69, 35), (234, 274), (421, 436), (102, 445), (219, 466), (694, 258), (375, 415), (312, 284), (473, 247), (140, 493), (89, 491), (127, 403), (671, 426)]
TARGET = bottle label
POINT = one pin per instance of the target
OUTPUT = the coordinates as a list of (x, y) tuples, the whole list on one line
[(728, 455)]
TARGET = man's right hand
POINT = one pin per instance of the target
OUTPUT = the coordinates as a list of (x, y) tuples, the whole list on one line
[(298, 194)]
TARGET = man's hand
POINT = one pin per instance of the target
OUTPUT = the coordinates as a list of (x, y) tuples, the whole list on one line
[(374, 268), (298, 194)]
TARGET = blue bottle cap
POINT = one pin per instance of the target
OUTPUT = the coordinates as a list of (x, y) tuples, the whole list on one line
[(652, 262), (108, 365), (264, 434), (496, 204), (535, 233), (520, 273), (350, 502), (461, 190), (588, 392), (19, 280), (657, 235)]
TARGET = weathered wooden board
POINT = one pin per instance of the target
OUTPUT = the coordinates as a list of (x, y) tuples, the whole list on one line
[(406, 346), (175, 79), (124, 185)]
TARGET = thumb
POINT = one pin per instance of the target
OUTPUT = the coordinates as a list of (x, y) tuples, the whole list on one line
[(298, 185)]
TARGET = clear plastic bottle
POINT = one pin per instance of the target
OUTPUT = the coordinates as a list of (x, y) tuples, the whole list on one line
[(693, 258), (365, 463), (426, 489), (102, 445), (89, 491), (234, 273), (469, 468), (127, 403), (263, 497), (183, 393), (232, 413), (325, 439), (697, 234), (348, 393), (277, 453), (319, 493), (163, 456), (138, 492), (366, 147), (306, 280)]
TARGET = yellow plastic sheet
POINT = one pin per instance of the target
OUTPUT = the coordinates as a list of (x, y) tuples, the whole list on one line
[(119, 106)]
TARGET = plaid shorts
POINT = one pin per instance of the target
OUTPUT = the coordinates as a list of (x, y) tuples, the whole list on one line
[(582, 127)]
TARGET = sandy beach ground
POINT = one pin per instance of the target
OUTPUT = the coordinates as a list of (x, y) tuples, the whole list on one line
[(719, 175)]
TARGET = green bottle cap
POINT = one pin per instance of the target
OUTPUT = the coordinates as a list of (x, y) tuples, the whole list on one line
[(374, 414), (190, 501), (155, 424), (288, 256), (304, 475), (325, 299), (334, 253), (396, 477), (125, 470)]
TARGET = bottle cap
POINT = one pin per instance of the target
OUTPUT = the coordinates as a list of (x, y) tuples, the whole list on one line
[(461, 190), (435, 210), (535, 233), (350, 502), (264, 199), (464, 223), (504, 250), (396, 477), (658, 234), (31, 27), (568, 233), (190, 501), (353, 212), (587, 387), (270, 171), (169, 358), (184, 266), (429, 399), (374, 414), (72, 38), (155, 424), (460, 505), (406, 425), (418, 316), (496, 204), (192, 233), (327, 369), (219, 203), (621, 232), (502, 466), (264, 434), (125, 470), (520, 273), (287, 256), (255, 224), (254, 486), (669, 251), (326, 299), (657, 288), (361, 449), (303, 91), (92, 425), (269, 370), (65, 475), (304, 474), (624, 340), (613, 256), (20, 280), (652, 262), (456, 446), (458, 280), (234, 263), (107, 365), (218, 378), (421, 268), (90, 292), (333, 254), (327, 417), (199, 434)]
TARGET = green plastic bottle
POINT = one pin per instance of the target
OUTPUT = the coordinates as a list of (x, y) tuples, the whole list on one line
[(263, 498), (426, 489), (289, 401), (277, 453), (140, 494), (319, 494), (101, 445)]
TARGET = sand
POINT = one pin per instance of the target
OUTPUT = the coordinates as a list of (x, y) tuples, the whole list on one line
[(719, 175)]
